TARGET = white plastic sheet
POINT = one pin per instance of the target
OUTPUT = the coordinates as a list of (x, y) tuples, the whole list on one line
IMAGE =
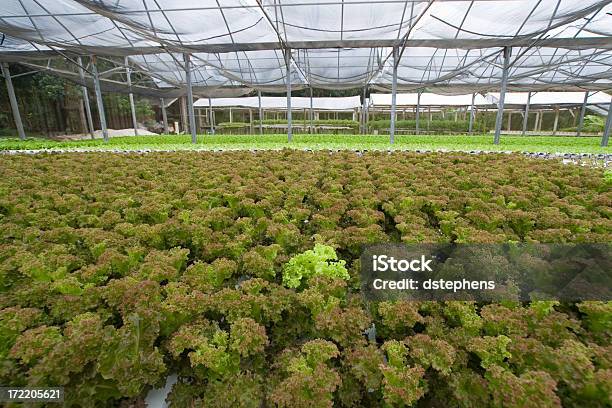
[(545, 99), (447, 46), (279, 103)]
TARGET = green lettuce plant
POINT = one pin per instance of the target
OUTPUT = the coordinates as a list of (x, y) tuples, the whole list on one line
[(322, 260)]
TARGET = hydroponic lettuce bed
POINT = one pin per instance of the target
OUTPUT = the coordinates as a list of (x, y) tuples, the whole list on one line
[(537, 144), (118, 270)]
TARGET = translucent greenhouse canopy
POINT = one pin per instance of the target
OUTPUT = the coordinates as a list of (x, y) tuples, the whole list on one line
[(491, 99), (226, 48), (279, 103), (453, 46)]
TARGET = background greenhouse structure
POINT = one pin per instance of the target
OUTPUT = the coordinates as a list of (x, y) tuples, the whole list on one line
[(165, 49), (195, 195)]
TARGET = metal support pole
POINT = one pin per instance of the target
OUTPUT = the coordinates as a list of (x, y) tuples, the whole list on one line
[(260, 113), (526, 116), (211, 120), (418, 112), (393, 95), (582, 113), (311, 114), (471, 125), (191, 113), (288, 80), (541, 121), (556, 122), (363, 112), (130, 94), (607, 129), (6, 73), (164, 114), (100, 103), (502, 95), (509, 121), (86, 98), (183, 113)]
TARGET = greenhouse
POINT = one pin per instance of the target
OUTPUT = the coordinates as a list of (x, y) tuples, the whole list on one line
[(305, 203), (576, 104), (314, 114), (391, 45)]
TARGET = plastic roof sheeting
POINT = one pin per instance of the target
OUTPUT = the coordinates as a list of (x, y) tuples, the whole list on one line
[(553, 98), (280, 103), (427, 99), (491, 99), (452, 46)]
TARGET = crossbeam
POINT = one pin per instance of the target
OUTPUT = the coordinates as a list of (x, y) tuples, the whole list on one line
[(603, 42)]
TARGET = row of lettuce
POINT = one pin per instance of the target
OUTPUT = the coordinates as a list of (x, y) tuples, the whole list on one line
[(437, 125), (592, 124), (239, 272)]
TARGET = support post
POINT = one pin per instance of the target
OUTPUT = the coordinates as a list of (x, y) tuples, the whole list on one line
[(86, 98), (231, 117), (260, 112), (418, 113), (250, 121), (363, 112), (606, 135), (471, 125), (582, 113), (502, 95), (131, 95), (162, 103), (541, 120), (99, 102), (393, 95), (311, 113), (191, 113), (537, 121), (556, 122), (6, 73), (526, 115), (509, 121), (212, 117), (183, 113), (82, 116), (288, 80)]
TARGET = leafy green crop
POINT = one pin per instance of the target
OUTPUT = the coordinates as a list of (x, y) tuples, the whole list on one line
[(436, 125), (481, 142), (322, 260), (238, 273)]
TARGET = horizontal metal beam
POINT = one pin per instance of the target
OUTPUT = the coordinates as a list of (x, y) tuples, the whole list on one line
[(449, 43)]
